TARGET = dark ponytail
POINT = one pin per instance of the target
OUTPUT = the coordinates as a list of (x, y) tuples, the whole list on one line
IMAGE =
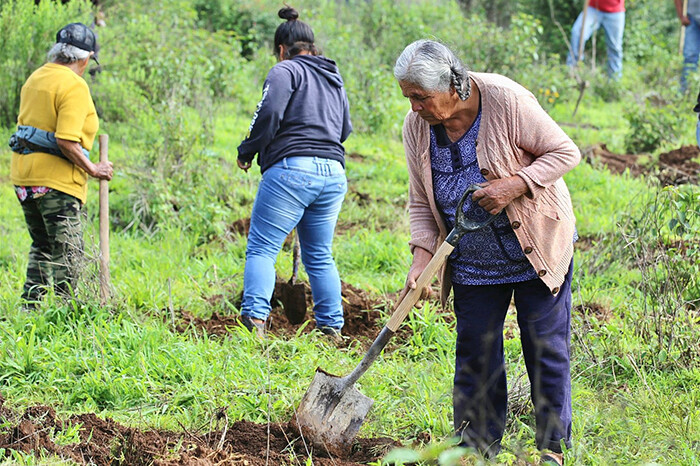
[(296, 36)]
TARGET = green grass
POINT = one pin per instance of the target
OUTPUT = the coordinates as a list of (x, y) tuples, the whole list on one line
[(172, 248), (126, 361)]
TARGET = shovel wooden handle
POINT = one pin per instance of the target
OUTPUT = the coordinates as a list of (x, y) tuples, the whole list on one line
[(681, 43), (462, 225), (104, 225), (400, 313), (423, 280), (583, 28), (296, 256)]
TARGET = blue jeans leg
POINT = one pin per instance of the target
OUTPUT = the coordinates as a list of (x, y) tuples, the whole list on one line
[(316, 230), (480, 388), (592, 24), (303, 192), (614, 27), (691, 51)]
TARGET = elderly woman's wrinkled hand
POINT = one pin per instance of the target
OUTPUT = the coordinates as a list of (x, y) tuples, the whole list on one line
[(421, 258), (103, 171), (495, 195)]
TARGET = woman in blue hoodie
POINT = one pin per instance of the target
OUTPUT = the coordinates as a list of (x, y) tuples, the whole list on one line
[(297, 131)]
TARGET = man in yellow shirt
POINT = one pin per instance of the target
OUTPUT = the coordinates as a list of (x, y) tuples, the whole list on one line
[(57, 124)]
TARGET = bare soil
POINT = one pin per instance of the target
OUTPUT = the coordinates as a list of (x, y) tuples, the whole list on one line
[(105, 442), (362, 313), (676, 167)]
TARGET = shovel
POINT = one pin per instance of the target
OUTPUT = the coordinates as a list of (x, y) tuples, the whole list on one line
[(332, 410), (293, 294)]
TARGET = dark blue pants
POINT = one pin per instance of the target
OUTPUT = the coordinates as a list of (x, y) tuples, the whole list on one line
[(480, 391)]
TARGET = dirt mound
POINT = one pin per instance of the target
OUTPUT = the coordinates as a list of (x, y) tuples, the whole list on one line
[(362, 314), (672, 168), (678, 166), (616, 163), (106, 442)]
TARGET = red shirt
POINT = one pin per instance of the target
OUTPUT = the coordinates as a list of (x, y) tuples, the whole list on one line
[(608, 6)]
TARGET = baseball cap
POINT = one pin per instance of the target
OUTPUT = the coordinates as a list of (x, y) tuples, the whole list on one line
[(78, 35)]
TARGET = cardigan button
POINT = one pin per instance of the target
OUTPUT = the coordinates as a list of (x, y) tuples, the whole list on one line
[(515, 225), (527, 250), (555, 290), (542, 273), (484, 171)]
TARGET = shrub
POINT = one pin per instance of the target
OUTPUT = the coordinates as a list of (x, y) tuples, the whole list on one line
[(651, 125), (164, 77), (28, 32), (380, 26), (564, 12), (170, 61)]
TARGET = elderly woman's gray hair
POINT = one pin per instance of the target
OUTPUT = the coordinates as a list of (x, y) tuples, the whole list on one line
[(66, 54), (433, 67)]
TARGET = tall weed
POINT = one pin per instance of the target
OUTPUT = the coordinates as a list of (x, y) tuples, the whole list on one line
[(663, 242)]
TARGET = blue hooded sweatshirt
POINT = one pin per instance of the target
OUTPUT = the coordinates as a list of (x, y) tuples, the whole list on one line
[(304, 111)]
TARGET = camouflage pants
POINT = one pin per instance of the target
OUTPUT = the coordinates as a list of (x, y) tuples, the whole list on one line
[(56, 230)]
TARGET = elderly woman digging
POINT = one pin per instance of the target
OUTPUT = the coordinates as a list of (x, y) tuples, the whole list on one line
[(475, 128)]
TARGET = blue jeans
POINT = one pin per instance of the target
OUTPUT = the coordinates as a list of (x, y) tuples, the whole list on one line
[(480, 389), (691, 51), (306, 193), (614, 27)]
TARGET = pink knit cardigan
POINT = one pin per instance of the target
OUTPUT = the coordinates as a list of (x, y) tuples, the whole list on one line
[(516, 137)]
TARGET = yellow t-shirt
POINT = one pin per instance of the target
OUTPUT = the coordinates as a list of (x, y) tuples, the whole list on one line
[(55, 99)]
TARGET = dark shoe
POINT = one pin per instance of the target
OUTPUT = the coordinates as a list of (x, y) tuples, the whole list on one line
[(551, 459), (253, 327), (333, 333)]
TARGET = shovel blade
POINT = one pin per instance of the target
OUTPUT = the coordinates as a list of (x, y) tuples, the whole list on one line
[(294, 303), (331, 413), (292, 297)]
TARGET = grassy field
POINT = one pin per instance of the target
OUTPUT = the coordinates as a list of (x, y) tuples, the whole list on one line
[(126, 362), (635, 338)]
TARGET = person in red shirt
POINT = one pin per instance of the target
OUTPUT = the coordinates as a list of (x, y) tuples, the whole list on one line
[(610, 14), (690, 19)]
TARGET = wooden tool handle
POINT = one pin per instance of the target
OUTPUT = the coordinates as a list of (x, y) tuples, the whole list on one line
[(681, 43), (423, 280), (400, 313), (104, 225), (583, 28)]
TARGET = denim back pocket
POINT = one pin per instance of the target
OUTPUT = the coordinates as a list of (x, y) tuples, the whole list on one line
[(295, 178)]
